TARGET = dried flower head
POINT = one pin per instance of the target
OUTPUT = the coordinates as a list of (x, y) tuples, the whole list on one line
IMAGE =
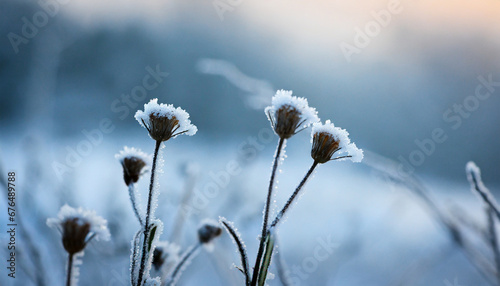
[(164, 121), (166, 254), (133, 162), (208, 230), (290, 114), (78, 227), (327, 140)]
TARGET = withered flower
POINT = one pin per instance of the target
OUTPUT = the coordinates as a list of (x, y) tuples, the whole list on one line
[(164, 121), (290, 114), (327, 140), (78, 227), (134, 163)]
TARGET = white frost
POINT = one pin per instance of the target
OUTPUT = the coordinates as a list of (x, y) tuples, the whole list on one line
[(133, 153), (284, 97), (169, 111), (341, 135), (98, 225)]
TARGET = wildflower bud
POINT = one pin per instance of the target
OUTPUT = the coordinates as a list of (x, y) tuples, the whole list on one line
[(165, 255), (327, 140), (290, 114), (208, 231), (78, 227), (133, 162), (75, 232), (164, 121)]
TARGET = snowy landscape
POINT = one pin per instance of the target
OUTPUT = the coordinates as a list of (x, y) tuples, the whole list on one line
[(382, 117)]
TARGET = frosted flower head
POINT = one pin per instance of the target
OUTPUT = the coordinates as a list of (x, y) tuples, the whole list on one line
[(290, 114), (78, 227), (166, 254), (208, 230), (327, 140), (133, 162), (164, 121)]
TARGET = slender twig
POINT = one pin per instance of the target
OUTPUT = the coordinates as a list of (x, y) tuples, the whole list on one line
[(186, 257), (148, 214), (70, 269), (266, 210), (241, 250), (493, 240), (294, 195), (133, 199)]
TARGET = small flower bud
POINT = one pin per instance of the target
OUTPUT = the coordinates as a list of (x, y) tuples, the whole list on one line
[(78, 227), (208, 230), (289, 114), (164, 121), (327, 140), (133, 162), (75, 232)]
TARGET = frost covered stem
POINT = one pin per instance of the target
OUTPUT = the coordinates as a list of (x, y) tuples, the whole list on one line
[(148, 212), (493, 240), (70, 268), (174, 277), (133, 199), (268, 206), (241, 250), (294, 195)]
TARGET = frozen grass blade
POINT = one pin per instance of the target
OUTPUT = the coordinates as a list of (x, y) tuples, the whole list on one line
[(267, 258), (241, 248), (493, 240), (492, 210), (474, 177)]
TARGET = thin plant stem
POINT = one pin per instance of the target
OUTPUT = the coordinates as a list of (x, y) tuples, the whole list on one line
[(493, 240), (180, 265), (70, 269), (148, 213), (241, 250), (133, 199), (266, 210), (294, 195)]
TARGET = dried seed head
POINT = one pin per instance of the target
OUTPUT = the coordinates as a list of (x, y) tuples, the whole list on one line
[(75, 233), (208, 230), (78, 227), (166, 254), (290, 114), (164, 121), (327, 140), (133, 162)]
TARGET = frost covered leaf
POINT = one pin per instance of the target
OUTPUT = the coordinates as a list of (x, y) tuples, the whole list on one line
[(290, 114), (164, 121)]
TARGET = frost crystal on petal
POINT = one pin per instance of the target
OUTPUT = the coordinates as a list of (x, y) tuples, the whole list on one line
[(327, 140), (164, 121), (290, 114)]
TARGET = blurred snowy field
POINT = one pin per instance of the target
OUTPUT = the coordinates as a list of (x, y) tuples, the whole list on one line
[(369, 230)]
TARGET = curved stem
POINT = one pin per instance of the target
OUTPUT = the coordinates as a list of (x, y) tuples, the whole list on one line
[(294, 195), (181, 264), (148, 214), (70, 268), (266, 211), (133, 199)]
